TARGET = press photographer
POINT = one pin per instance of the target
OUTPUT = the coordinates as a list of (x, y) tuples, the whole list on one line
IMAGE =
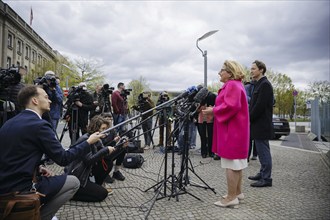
[(104, 98), (144, 104), (79, 103), (119, 105), (163, 118), (55, 94), (10, 85)]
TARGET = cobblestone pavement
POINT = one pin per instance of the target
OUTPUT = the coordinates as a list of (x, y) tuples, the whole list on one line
[(301, 190)]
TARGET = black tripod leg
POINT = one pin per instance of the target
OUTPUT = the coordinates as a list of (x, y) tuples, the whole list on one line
[(206, 185), (65, 128)]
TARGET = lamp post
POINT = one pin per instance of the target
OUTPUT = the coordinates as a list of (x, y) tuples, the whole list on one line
[(204, 54)]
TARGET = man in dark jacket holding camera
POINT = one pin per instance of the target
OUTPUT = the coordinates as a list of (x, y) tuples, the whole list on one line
[(82, 103)]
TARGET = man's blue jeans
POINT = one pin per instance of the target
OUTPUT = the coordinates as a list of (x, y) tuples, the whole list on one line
[(117, 119), (265, 159)]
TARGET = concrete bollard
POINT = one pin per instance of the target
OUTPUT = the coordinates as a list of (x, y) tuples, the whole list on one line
[(300, 128)]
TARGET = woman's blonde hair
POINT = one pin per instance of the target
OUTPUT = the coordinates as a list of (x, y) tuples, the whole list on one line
[(235, 69)]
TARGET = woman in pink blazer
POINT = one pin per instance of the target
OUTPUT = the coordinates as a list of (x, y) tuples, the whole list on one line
[(231, 130)]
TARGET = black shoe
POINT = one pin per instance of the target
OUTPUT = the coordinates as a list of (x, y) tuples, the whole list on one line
[(109, 179), (262, 183), (118, 176), (256, 177), (216, 157), (204, 155)]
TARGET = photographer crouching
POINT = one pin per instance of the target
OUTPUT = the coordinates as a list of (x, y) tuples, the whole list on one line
[(144, 104)]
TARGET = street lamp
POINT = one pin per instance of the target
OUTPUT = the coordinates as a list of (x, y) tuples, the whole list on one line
[(205, 53)]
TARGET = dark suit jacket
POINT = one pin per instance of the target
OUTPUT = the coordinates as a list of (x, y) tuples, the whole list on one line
[(23, 141), (261, 110)]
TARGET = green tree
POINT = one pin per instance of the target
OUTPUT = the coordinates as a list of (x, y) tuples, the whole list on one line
[(90, 71), (283, 88), (320, 89), (137, 86)]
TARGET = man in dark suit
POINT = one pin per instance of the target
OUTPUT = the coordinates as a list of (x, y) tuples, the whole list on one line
[(24, 140), (261, 114)]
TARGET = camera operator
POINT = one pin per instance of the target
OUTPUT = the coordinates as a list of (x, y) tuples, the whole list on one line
[(84, 102), (96, 110), (144, 104), (55, 95), (119, 105), (10, 85), (163, 97)]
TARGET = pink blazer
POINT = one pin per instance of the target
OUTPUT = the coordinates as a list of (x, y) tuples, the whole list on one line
[(231, 132)]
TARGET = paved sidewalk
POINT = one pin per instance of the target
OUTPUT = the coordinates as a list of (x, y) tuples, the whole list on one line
[(301, 190)]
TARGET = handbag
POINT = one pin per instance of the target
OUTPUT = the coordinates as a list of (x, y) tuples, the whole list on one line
[(17, 206), (21, 205)]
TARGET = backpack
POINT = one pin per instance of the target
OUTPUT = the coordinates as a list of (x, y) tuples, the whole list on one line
[(133, 161)]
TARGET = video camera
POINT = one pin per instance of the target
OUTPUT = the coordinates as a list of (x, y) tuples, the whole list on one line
[(106, 90), (10, 76), (47, 81), (125, 92), (163, 97)]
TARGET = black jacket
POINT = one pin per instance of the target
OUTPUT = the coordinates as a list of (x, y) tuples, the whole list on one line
[(82, 167), (261, 110)]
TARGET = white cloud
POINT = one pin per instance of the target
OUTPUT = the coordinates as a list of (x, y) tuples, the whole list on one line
[(156, 39)]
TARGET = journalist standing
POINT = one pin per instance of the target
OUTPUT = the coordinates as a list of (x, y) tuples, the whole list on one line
[(84, 103), (119, 106), (24, 139), (55, 95), (261, 114), (231, 130), (164, 121), (144, 104)]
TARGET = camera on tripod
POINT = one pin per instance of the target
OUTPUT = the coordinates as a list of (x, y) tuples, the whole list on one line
[(10, 76), (163, 97), (125, 92), (46, 81), (106, 90)]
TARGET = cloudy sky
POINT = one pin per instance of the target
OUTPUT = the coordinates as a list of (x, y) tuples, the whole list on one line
[(157, 39)]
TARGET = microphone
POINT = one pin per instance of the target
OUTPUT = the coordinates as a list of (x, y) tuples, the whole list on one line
[(199, 97), (187, 92)]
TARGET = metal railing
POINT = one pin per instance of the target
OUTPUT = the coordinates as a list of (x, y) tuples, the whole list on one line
[(320, 119)]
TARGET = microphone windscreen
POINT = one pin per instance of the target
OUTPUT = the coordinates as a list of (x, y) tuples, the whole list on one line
[(201, 95)]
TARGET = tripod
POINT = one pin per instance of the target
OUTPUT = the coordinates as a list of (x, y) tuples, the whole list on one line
[(73, 124), (186, 165), (8, 108), (181, 181)]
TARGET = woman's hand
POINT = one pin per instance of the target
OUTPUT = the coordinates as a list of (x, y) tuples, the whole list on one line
[(207, 111), (93, 138), (45, 172), (116, 139), (111, 149)]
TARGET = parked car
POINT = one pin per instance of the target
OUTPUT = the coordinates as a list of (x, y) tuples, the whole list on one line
[(281, 127)]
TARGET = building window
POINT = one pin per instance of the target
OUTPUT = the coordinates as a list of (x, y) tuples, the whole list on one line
[(18, 63), (8, 62), (33, 56), (10, 41), (39, 59), (27, 52), (19, 47)]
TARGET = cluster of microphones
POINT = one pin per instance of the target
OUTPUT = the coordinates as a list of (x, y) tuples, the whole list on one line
[(191, 100)]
